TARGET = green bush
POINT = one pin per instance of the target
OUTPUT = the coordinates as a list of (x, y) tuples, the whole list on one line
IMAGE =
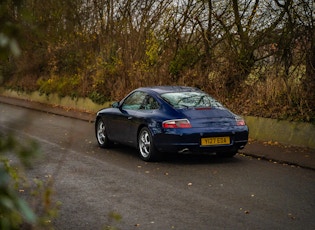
[(186, 57), (15, 211)]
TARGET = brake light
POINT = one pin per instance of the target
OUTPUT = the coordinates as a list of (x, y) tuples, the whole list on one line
[(177, 123)]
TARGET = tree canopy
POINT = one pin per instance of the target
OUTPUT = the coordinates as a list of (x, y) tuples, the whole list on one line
[(258, 57)]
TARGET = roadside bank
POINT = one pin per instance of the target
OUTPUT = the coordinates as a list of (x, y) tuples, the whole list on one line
[(298, 134)]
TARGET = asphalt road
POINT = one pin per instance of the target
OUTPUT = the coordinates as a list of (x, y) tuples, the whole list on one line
[(181, 192)]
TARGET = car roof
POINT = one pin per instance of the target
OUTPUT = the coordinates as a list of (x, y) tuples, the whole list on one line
[(169, 89)]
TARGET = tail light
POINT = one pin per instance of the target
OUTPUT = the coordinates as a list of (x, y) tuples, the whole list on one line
[(177, 123)]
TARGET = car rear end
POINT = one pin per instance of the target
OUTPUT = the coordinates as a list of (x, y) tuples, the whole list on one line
[(199, 124), (211, 135)]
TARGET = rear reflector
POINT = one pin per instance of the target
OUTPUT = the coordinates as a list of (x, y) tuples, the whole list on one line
[(177, 123)]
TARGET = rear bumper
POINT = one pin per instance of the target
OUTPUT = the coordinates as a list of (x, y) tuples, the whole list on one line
[(191, 143)]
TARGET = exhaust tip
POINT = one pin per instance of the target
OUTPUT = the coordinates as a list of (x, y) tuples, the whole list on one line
[(185, 150)]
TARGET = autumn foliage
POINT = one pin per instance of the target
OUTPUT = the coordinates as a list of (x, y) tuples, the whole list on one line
[(257, 57)]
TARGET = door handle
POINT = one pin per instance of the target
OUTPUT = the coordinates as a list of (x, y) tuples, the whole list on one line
[(129, 118)]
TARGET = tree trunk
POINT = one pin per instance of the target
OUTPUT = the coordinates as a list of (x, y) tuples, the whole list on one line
[(310, 69)]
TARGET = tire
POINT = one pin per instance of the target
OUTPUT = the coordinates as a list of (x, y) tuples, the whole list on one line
[(101, 135), (147, 150)]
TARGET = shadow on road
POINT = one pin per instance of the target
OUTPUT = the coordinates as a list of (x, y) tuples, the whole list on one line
[(175, 158)]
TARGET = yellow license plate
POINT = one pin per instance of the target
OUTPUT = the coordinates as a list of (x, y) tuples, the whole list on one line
[(215, 141)]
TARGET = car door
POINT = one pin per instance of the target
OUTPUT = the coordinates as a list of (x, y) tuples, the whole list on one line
[(127, 122), (141, 116)]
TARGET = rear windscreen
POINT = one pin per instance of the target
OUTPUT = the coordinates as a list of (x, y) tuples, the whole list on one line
[(190, 100)]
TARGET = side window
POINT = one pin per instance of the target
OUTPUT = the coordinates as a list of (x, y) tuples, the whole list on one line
[(150, 103), (134, 101)]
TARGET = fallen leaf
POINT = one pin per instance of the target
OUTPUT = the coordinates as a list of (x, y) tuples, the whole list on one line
[(290, 215)]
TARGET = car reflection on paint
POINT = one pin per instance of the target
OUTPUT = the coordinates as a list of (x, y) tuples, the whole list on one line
[(166, 119)]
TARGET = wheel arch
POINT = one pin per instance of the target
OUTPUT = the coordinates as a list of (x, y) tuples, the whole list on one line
[(98, 117)]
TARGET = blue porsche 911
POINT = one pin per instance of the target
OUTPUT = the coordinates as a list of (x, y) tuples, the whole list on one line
[(166, 119)]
